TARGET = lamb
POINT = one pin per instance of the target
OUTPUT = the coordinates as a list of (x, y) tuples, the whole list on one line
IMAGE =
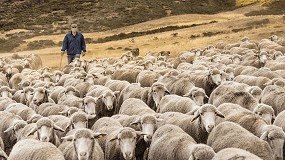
[(83, 145), (174, 103), (273, 95), (253, 123), (235, 153), (35, 149), (228, 94), (232, 135), (171, 142), (198, 125), (120, 141)]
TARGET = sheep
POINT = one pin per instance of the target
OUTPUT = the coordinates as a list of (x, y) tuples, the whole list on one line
[(134, 106), (276, 81), (5, 91), (232, 135), (235, 153), (70, 100), (174, 103), (117, 85), (252, 80), (171, 142), (198, 125), (15, 80), (228, 94), (40, 96), (7, 120), (129, 75), (265, 111), (273, 95), (35, 149), (146, 78), (120, 141), (155, 94), (279, 121), (45, 128), (255, 91), (21, 110), (83, 88), (83, 145), (258, 61), (4, 102), (106, 102), (208, 82), (274, 135)]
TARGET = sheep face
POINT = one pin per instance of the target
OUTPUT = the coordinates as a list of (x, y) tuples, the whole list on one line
[(57, 77), (236, 60), (148, 125), (108, 98), (197, 95), (83, 141), (208, 120), (127, 139), (275, 137), (45, 133), (215, 77), (40, 96), (5, 92), (89, 104), (158, 92)]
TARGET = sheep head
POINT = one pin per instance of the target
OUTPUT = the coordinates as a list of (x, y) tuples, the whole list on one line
[(83, 141), (207, 114), (274, 135)]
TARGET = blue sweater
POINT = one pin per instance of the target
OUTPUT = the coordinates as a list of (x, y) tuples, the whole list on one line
[(73, 44)]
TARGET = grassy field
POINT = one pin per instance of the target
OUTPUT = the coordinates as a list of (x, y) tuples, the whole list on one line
[(200, 30)]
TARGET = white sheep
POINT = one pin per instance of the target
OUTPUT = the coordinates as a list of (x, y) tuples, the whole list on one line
[(171, 142), (232, 135), (198, 125), (35, 149), (175, 103)]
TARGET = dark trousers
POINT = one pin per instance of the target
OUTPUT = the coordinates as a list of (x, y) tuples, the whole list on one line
[(70, 58)]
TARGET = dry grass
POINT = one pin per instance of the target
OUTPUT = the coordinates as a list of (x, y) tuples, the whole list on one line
[(251, 27)]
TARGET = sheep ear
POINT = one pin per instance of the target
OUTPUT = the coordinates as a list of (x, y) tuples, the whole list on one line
[(32, 131), (167, 92), (140, 133), (3, 154), (64, 112), (136, 122), (187, 94), (11, 128), (264, 136), (159, 120), (56, 127), (117, 93), (193, 111), (218, 113), (196, 115), (91, 116), (99, 135), (114, 138), (68, 138), (100, 97)]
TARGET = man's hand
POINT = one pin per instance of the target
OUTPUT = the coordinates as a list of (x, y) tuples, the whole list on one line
[(83, 54), (62, 52)]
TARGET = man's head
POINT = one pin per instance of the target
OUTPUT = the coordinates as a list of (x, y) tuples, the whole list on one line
[(74, 27)]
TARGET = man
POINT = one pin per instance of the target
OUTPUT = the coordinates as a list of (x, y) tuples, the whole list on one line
[(74, 44)]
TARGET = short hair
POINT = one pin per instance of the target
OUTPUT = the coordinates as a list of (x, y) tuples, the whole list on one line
[(73, 25)]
